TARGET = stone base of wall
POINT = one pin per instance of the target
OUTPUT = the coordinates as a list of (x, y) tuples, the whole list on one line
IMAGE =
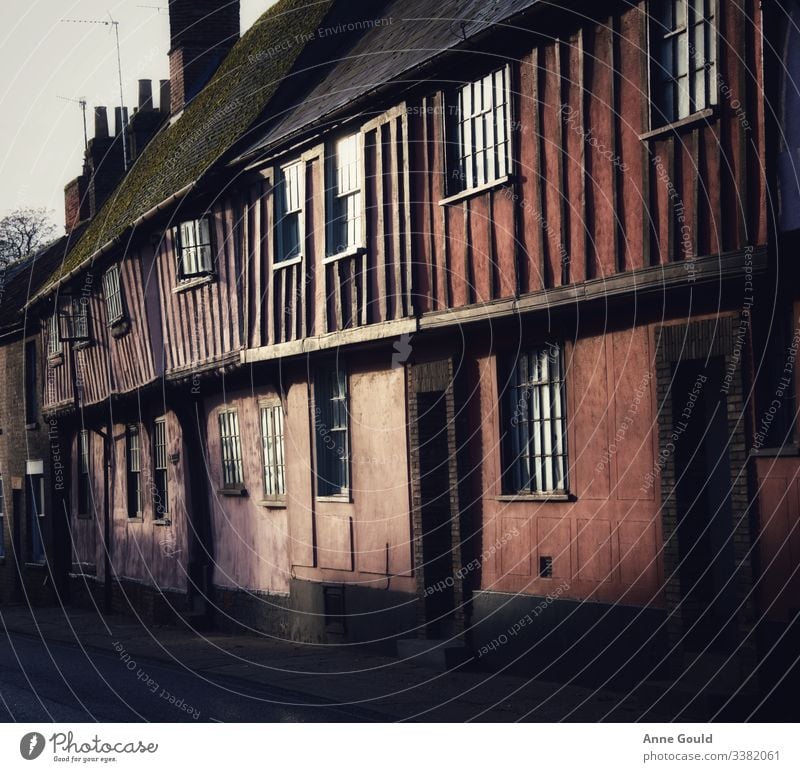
[(36, 588), (375, 617), (129, 598), (565, 640)]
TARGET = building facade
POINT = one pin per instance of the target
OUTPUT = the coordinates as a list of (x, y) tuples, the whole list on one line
[(452, 344)]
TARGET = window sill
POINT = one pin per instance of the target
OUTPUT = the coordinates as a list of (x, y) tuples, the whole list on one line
[(135, 519), (81, 345), (56, 360), (350, 252), (240, 492), (32, 427), (194, 282), (120, 328), (290, 261), (272, 504), (555, 496), (789, 451), (476, 191), (704, 116), (40, 566), (163, 521), (341, 498)]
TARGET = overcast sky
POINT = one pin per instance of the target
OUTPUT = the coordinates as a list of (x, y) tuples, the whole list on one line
[(42, 59)]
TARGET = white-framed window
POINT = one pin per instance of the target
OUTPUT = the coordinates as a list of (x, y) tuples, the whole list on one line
[(272, 445), (133, 455), (84, 473), (231, 448), (535, 428), (193, 245), (683, 50), (113, 294), (2, 518), (478, 121), (345, 201), (160, 481), (53, 336), (289, 197), (331, 428)]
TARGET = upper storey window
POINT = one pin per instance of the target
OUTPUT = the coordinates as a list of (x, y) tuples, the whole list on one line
[(682, 58), (478, 139), (193, 245), (113, 294), (289, 194), (344, 196)]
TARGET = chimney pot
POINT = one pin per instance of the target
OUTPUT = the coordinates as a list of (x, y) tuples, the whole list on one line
[(145, 95), (100, 122), (120, 120), (164, 97)]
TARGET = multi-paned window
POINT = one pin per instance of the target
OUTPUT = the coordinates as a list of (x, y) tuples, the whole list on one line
[(31, 394), (330, 424), (84, 474), (2, 518), (133, 471), (535, 440), (682, 58), (53, 336), (289, 193), (73, 318), (36, 513), (272, 445), (193, 246), (231, 446), (344, 195), (160, 489), (478, 136), (113, 294)]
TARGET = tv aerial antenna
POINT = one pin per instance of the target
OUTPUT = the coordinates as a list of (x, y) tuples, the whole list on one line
[(81, 101), (115, 26)]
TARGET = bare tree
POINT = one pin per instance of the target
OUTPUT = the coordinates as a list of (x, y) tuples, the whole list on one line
[(23, 232)]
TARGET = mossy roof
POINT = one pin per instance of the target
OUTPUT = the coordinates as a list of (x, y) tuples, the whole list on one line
[(211, 124)]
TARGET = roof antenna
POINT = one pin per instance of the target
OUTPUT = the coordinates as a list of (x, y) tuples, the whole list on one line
[(82, 102), (115, 26)]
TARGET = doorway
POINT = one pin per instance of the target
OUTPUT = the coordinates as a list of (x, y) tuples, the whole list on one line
[(705, 526)]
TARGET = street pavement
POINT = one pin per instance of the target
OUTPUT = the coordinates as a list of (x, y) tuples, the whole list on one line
[(78, 665)]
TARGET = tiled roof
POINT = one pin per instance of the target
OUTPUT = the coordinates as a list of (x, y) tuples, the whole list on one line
[(211, 124), (24, 279), (400, 36)]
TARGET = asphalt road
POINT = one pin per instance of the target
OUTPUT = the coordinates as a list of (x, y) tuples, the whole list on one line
[(55, 682)]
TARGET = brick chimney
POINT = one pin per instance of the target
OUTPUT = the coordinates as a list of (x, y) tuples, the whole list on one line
[(202, 32)]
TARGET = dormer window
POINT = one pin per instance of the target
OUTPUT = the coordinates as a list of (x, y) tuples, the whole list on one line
[(289, 195), (682, 59), (478, 125), (112, 290), (344, 196), (193, 247), (73, 318)]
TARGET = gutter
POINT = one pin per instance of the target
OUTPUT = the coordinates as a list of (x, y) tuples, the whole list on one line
[(107, 247)]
